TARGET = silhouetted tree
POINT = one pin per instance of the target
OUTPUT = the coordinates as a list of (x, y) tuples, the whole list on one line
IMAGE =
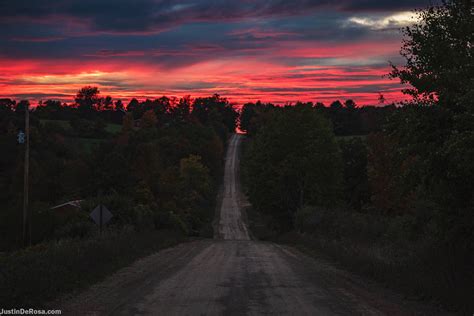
[(134, 107), (119, 105), (183, 109), (215, 111), (21, 106), (8, 104), (319, 105), (106, 103), (336, 105), (439, 55), (87, 99), (293, 160), (381, 99), (350, 104)]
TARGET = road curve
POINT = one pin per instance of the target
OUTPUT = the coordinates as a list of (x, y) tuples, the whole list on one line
[(233, 275)]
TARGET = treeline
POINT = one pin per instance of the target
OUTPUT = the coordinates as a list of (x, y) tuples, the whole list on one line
[(155, 164), (347, 118), (397, 202)]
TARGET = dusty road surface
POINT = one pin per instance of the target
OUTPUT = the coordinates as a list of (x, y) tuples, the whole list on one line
[(231, 225), (232, 275)]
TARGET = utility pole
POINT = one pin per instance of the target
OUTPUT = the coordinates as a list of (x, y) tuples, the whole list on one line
[(26, 213)]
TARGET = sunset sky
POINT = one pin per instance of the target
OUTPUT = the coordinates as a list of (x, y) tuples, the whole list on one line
[(274, 51)]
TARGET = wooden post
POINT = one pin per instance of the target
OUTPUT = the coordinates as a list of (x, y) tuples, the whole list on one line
[(26, 213), (100, 219), (100, 212)]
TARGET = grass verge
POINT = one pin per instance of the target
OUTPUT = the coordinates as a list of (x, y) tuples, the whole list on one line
[(36, 275)]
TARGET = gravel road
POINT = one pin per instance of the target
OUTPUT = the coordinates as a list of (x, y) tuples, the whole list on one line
[(233, 275)]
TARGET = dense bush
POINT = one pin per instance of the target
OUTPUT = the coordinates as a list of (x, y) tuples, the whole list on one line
[(159, 169), (392, 250), (293, 160)]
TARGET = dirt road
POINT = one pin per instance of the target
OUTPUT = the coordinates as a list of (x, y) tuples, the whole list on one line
[(233, 275), (231, 225)]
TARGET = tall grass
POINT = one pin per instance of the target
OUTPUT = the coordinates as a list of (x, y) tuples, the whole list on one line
[(33, 276), (382, 248)]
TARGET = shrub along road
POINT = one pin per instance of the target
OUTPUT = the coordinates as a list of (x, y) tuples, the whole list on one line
[(235, 275)]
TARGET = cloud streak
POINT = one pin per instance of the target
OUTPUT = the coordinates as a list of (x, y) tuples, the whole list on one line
[(271, 50)]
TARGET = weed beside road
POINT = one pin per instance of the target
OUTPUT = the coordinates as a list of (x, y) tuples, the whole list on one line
[(36, 275)]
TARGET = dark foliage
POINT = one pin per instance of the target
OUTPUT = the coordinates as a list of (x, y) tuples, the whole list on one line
[(163, 163), (407, 212)]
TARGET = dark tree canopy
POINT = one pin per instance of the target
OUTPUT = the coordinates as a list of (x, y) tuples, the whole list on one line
[(87, 98), (439, 53), (293, 160)]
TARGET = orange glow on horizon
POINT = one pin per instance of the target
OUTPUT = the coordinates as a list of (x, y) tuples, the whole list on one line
[(246, 79)]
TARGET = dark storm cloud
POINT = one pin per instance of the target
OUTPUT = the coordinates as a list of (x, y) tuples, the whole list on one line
[(240, 48), (169, 32), (139, 16), (193, 43)]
